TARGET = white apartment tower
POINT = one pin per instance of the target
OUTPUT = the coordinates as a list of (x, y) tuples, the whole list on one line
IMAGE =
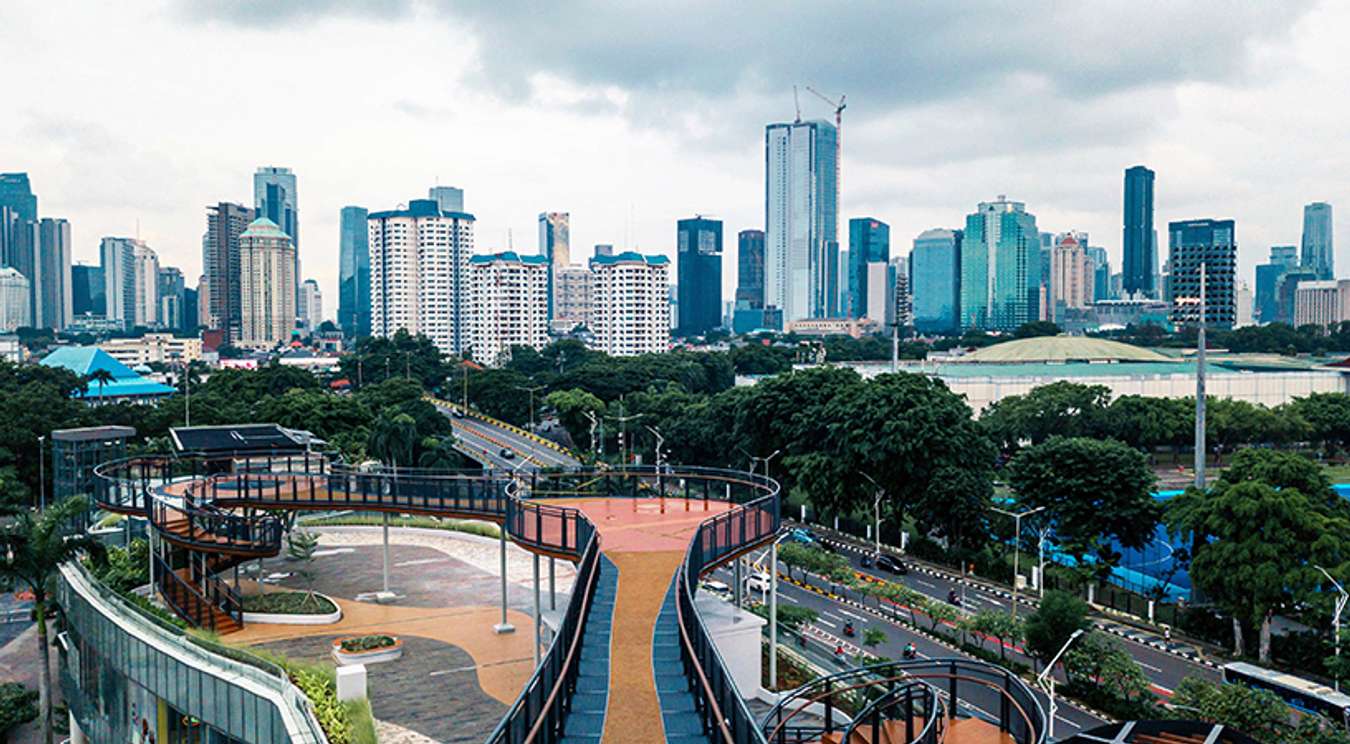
[(266, 285), (145, 311), (15, 300), (419, 273), (510, 305), (630, 304), (310, 311)]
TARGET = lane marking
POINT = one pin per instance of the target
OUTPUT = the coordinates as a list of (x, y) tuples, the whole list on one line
[(925, 583)]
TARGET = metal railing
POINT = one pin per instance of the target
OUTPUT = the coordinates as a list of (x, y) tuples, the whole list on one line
[(197, 600), (207, 528)]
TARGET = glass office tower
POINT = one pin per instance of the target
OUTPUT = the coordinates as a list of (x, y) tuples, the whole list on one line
[(1139, 246), (801, 214), (699, 252), (1318, 252), (1000, 267), (935, 280), (869, 242), (354, 273)]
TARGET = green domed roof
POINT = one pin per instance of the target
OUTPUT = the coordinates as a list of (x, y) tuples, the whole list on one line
[(264, 228), (1064, 349)]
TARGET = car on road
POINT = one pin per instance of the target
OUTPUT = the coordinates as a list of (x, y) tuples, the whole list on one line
[(506, 453), (758, 582), (456, 413), (803, 536), (892, 564), (716, 588)]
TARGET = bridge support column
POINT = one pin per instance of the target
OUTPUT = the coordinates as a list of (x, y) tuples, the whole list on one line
[(503, 626), (538, 614), (552, 591)]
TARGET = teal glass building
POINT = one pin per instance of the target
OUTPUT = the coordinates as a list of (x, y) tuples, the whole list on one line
[(1000, 267), (935, 280), (869, 241)]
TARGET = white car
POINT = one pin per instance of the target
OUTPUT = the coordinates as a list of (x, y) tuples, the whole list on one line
[(716, 588), (758, 582)]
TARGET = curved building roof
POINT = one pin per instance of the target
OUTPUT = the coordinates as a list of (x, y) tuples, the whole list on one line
[(1064, 349), (264, 228)]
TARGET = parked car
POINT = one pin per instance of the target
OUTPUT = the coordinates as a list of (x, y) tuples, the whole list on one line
[(758, 582), (892, 564), (716, 588)]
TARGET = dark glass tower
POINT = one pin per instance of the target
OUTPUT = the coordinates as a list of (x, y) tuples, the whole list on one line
[(869, 241), (86, 284), (1139, 248), (1213, 244), (354, 273), (750, 268), (699, 248)]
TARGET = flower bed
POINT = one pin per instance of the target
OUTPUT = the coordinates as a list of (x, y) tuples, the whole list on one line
[(368, 649), (291, 608)]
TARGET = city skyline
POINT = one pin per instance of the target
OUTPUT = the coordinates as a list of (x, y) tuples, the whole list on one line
[(1108, 114)]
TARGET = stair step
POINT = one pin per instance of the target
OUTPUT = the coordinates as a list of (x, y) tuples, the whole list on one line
[(680, 722)]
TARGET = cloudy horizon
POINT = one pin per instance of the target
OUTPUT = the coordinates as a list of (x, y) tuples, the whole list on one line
[(136, 116)]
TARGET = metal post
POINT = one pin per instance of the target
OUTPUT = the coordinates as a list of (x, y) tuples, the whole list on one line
[(1336, 617), (738, 583), (1040, 574), (538, 614), (773, 615), (386, 551), (42, 473), (503, 626), (895, 346), (552, 594), (1200, 389)]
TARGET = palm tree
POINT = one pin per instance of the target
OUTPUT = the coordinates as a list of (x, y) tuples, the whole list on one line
[(102, 377), (35, 546), (391, 439), (439, 453)]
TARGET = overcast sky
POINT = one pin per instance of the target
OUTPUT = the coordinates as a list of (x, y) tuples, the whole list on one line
[(135, 115)]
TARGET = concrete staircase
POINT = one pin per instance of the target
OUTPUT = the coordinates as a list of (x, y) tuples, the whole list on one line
[(585, 721)]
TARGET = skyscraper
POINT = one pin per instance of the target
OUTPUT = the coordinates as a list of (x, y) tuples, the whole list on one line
[(1319, 253), (1101, 273), (17, 193), (225, 222), (1074, 276), (1000, 267), (419, 273), (118, 259), (52, 291), (15, 303), (354, 273), (801, 214), (935, 280), (630, 304), (172, 299), (869, 242), (20, 243), (266, 297), (1140, 242), (750, 268), (509, 306), (310, 310), (448, 198), (86, 291), (146, 308), (1283, 258), (699, 252), (1213, 244), (274, 197), (555, 245)]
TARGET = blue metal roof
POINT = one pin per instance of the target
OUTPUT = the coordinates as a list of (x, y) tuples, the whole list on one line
[(420, 208), (630, 257), (486, 258), (85, 360)]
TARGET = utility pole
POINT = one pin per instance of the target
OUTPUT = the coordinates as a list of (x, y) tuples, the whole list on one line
[(895, 346), (876, 514), (624, 448), (660, 440), (595, 452), (1200, 389), (1336, 617), (531, 390), (465, 403)]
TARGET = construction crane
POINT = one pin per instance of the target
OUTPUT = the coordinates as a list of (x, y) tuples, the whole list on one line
[(796, 104), (839, 106)]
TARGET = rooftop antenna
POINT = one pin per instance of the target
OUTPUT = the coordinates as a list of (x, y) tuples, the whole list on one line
[(797, 104)]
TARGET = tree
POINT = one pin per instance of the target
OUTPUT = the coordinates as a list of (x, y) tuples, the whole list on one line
[(873, 637), (101, 377), (35, 546), (439, 453), (1328, 418), (572, 406), (300, 547), (1259, 714), (939, 613), (1256, 543), (376, 359), (1059, 409), (18, 704), (1037, 328), (1098, 663), (391, 439), (1095, 492), (1047, 629), (999, 625)]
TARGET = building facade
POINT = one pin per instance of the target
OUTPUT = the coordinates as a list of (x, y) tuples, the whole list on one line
[(555, 245), (572, 299), (145, 310), (1000, 267), (310, 310), (1212, 244), (225, 222), (1139, 245), (118, 257), (266, 285), (275, 197), (1073, 275), (172, 299), (419, 273), (354, 272), (1283, 258), (448, 198), (869, 242), (52, 296), (699, 256), (1317, 303), (162, 348), (15, 300), (510, 305), (1319, 253), (86, 290), (801, 214), (630, 304), (935, 280), (750, 269)]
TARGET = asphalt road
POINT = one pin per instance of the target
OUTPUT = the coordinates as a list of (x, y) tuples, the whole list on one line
[(827, 632), (484, 442)]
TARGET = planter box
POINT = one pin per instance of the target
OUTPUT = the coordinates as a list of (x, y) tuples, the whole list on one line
[(373, 656), (288, 618)]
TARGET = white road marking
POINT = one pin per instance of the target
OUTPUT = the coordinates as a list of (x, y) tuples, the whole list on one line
[(421, 562), (332, 551), (789, 598), (926, 583), (456, 670), (1149, 667), (823, 621)]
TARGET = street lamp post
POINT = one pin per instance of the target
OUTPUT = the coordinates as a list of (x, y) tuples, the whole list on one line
[(595, 452), (531, 390), (1043, 534), (623, 420), (42, 473), (1046, 680), (1017, 546), (773, 609), (1336, 618), (876, 516), (660, 440)]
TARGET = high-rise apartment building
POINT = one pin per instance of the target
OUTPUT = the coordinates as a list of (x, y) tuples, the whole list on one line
[(275, 197), (145, 310), (555, 245), (86, 291), (225, 222), (266, 294), (572, 298), (1213, 244), (1101, 273), (509, 306), (354, 272), (310, 310), (448, 198), (630, 304), (869, 242), (699, 253), (1319, 253), (750, 269), (172, 299), (419, 273), (1000, 267), (1073, 275), (801, 215), (1140, 241), (118, 260), (15, 302), (935, 280), (52, 300)]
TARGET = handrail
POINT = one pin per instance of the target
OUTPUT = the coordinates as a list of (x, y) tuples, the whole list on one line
[(933, 713), (213, 529)]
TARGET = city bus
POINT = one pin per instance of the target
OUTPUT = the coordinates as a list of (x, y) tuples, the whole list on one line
[(1300, 694)]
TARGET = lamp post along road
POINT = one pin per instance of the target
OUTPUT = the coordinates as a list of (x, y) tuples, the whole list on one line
[(1046, 680), (1017, 546), (531, 390), (1336, 617), (876, 515)]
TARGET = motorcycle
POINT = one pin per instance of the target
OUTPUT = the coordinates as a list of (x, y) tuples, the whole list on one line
[(848, 630), (910, 652)]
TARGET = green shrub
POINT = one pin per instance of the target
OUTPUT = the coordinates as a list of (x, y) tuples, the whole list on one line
[(289, 603), (367, 643), (18, 704), (467, 526)]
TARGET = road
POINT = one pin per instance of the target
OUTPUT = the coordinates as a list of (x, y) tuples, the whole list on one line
[(827, 632), (484, 442)]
